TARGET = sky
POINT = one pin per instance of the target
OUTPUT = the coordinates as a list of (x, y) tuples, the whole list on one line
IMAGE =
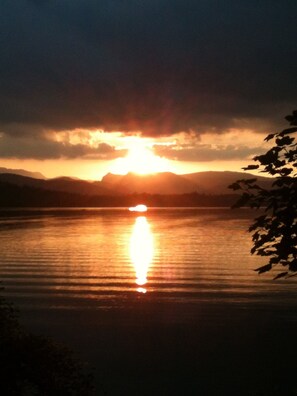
[(92, 86)]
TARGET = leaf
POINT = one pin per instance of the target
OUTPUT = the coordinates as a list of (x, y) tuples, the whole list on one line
[(286, 171), (250, 167), (278, 182), (244, 199), (269, 137), (281, 275), (264, 268), (279, 163), (268, 158), (260, 220), (235, 186), (285, 141), (250, 181), (293, 265), (274, 260), (287, 131), (292, 118)]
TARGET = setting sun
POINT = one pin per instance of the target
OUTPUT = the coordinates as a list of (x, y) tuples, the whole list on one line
[(140, 159)]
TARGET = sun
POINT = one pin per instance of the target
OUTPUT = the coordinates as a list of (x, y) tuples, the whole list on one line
[(141, 160)]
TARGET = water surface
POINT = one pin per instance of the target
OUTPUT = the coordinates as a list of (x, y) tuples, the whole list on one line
[(68, 258), (172, 289)]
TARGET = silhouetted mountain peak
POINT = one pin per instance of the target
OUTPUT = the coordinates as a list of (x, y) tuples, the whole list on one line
[(22, 172), (151, 183)]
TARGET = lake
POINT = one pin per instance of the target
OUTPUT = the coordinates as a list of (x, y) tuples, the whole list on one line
[(161, 304)]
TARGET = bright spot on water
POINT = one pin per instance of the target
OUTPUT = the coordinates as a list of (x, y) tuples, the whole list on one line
[(141, 250), (138, 208), (141, 290)]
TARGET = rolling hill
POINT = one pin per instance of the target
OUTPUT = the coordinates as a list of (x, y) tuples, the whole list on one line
[(166, 183), (64, 184), (217, 182)]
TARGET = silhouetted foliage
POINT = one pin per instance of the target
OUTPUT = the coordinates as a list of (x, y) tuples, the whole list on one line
[(32, 365), (275, 231)]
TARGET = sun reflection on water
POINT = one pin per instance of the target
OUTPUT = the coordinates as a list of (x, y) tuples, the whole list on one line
[(141, 251)]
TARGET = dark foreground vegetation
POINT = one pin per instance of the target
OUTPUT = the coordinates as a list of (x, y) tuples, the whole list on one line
[(32, 365), (26, 196)]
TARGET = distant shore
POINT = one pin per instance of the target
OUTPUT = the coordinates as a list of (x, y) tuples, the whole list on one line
[(26, 196)]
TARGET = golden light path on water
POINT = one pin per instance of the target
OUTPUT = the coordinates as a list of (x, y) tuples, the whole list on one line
[(141, 251)]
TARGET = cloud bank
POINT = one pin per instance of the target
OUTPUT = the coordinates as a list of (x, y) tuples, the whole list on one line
[(155, 66)]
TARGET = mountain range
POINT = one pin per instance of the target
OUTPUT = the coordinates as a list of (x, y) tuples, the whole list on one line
[(210, 182), (165, 183)]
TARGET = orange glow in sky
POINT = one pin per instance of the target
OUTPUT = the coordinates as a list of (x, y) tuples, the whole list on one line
[(139, 154)]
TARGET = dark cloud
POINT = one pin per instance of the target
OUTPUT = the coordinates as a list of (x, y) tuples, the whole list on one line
[(159, 66), (207, 152), (39, 147)]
